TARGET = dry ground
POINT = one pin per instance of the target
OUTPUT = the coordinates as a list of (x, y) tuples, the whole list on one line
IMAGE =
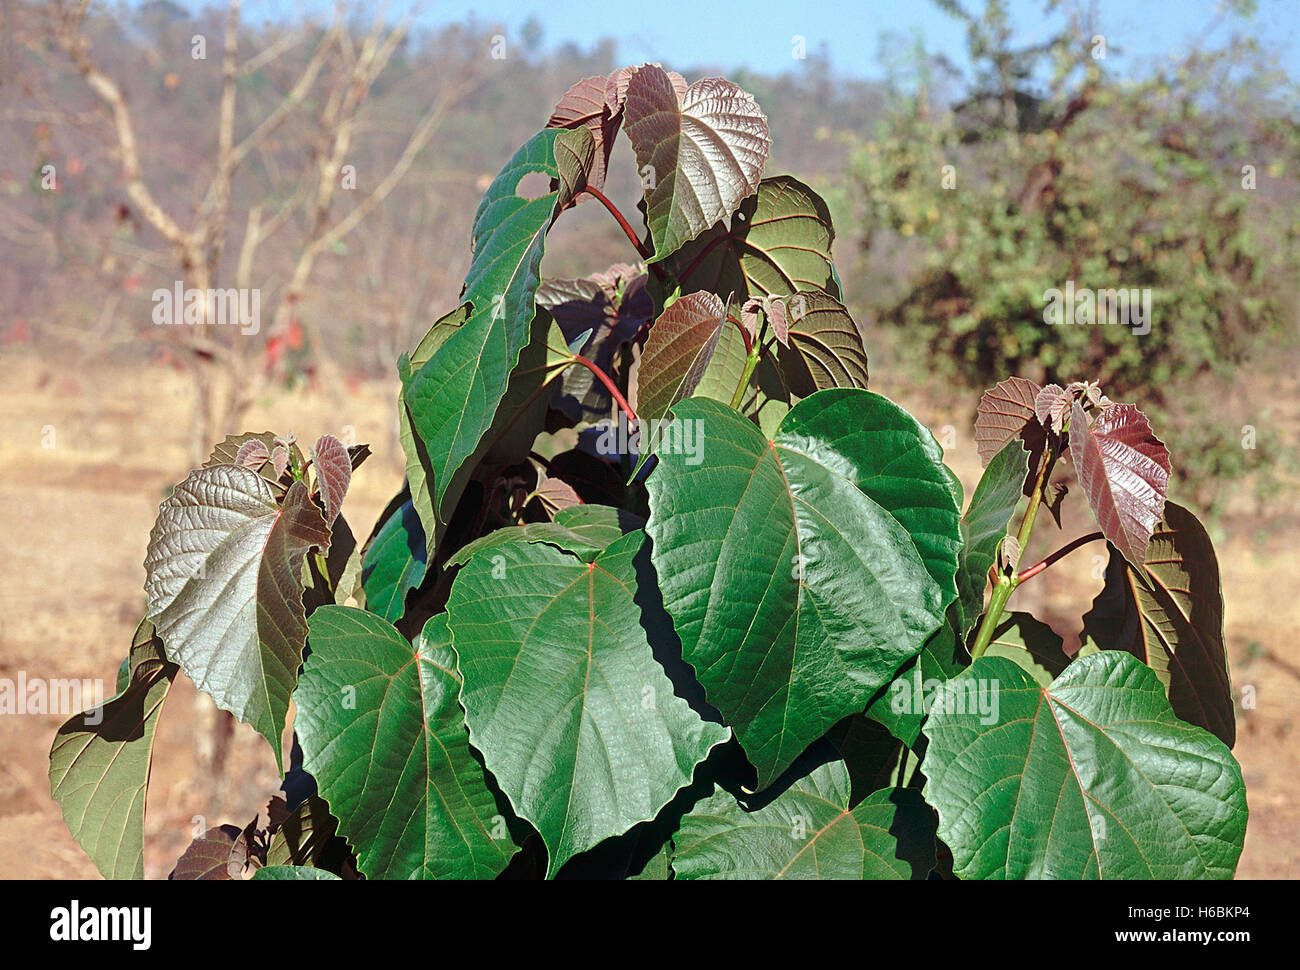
[(76, 518)]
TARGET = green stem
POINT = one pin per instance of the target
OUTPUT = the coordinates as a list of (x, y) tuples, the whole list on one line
[(1008, 581), (751, 363)]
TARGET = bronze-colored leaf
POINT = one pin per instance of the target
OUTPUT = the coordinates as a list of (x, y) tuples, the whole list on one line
[(1123, 468), (677, 352), (1169, 614), (1005, 411), (700, 152), (333, 474), (825, 348)]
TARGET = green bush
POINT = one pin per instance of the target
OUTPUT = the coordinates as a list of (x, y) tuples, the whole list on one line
[(1171, 184)]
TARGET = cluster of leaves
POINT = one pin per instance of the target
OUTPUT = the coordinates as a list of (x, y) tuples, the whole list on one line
[(752, 641), (1169, 184)]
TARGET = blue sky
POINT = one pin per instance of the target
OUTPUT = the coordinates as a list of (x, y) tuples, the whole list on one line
[(758, 33)]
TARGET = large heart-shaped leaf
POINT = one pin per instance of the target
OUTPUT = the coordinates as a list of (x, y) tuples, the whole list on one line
[(1169, 615), (809, 832), (802, 571), (984, 526), (453, 398), (777, 243), (99, 762), (699, 153), (1123, 468), (677, 353), (383, 734), (224, 587), (564, 695), (1092, 777)]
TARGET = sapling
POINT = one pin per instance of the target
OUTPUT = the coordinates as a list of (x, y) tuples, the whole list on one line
[(770, 622)]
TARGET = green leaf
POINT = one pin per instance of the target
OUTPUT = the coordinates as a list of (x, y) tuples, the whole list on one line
[(874, 758), (519, 419), (778, 243), (224, 587), (896, 462), (294, 874), (383, 734), (99, 762), (699, 153), (1031, 645), (809, 832), (307, 836), (984, 526), (1091, 777), (1169, 615), (419, 469), (394, 563), (584, 530), (453, 398), (796, 593), (564, 695)]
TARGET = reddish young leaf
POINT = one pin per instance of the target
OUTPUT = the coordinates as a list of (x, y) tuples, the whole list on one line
[(677, 352), (333, 474), (219, 853), (1052, 407), (700, 152), (1124, 470), (585, 105), (556, 494), (253, 454), (1004, 412)]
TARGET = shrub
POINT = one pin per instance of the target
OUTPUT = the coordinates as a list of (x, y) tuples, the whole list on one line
[(740, 632)]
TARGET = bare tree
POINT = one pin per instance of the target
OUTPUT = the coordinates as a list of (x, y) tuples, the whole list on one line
[(327, 99)]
